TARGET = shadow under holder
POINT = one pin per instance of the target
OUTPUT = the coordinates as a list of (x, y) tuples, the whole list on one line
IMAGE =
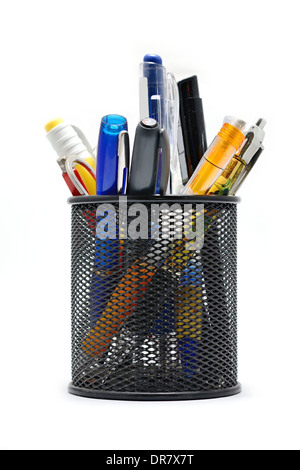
[(150, 320)]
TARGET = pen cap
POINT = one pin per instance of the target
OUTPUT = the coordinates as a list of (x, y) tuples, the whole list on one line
[(232, 131), (237, 123), (192, 122), (67, 139), (229, 137), (189, 88), (150, 164), (107, 153), (153, 90)]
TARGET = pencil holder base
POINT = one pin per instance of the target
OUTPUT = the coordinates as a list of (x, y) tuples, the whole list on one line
[(138, 396)]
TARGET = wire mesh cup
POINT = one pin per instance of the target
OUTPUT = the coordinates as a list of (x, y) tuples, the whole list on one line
[(154, 296)]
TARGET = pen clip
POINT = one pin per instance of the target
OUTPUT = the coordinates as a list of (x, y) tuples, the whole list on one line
[(164, 162), (123, 161), (67, 165)]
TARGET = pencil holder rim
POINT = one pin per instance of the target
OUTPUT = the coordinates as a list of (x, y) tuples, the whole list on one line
[(155, 199)]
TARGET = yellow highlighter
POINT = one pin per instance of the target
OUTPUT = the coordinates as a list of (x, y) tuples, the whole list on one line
[(67, 140), (216, 158)]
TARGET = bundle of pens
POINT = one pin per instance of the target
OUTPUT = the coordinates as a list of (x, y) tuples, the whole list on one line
[(170, 157), (170, 154)]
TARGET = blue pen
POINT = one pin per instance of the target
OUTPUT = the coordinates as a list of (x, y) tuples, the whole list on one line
[(112, 155), (111, 177), (153, 90)]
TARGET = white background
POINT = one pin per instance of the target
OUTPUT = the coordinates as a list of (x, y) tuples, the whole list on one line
[(80, 60)]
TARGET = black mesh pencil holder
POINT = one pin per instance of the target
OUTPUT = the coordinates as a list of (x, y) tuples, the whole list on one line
[(154, 297)]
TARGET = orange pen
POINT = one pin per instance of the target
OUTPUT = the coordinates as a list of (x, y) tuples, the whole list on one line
[(122, 303)]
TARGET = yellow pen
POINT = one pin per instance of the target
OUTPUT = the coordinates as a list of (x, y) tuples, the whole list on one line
[(216, 158), (67, 140)]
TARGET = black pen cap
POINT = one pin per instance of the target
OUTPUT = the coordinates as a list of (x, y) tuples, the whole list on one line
[(192, 122), (188, 88)]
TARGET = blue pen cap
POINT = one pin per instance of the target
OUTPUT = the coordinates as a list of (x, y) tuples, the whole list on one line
[(107, 154), (153, 58)]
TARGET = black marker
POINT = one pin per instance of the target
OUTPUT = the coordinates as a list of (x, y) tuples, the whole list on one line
[(192, 123)]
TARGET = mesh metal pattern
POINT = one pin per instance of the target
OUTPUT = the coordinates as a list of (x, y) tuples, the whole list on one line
[(148, 316)]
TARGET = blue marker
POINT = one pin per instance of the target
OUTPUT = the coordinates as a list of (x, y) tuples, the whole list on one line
[(112, 156), (111, 178)]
